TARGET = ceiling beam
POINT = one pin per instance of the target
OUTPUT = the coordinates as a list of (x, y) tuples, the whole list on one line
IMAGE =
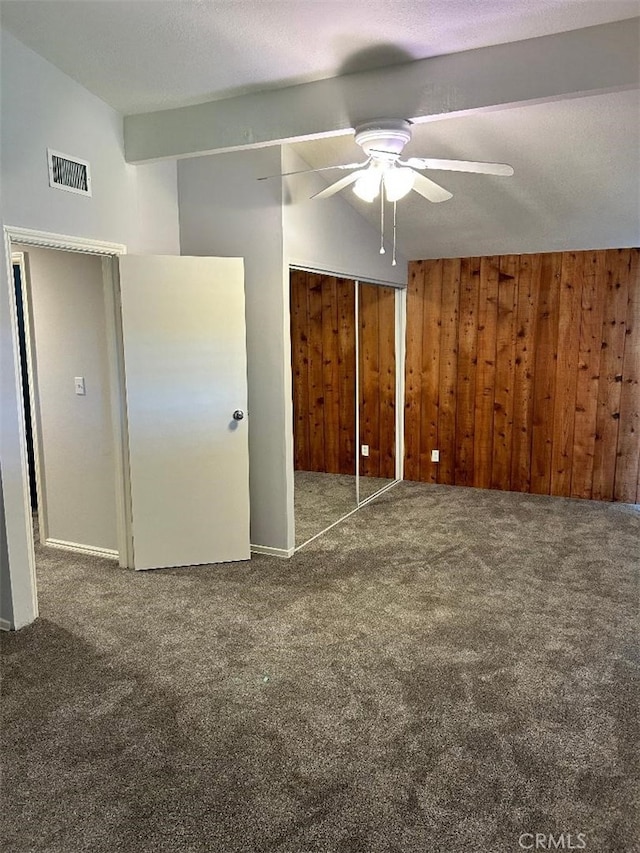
[(590, 61)]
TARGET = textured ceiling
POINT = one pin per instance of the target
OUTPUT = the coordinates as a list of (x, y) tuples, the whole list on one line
[(149, 55)]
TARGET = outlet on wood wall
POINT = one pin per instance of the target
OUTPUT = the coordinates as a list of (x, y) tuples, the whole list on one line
[(524, 371)]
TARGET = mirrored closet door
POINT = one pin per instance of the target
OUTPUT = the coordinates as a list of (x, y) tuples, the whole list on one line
[(323, 356), (343, 361), (376, 387)]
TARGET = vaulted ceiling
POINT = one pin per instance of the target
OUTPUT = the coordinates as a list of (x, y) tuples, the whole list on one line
[(575, 154)]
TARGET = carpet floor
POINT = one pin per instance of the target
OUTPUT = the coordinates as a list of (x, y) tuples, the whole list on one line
[(321, 499), (442, 672)]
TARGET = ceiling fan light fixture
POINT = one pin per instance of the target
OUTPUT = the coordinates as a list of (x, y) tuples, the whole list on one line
[(367, 186), (384, 136), (386, 176), (398, 183)]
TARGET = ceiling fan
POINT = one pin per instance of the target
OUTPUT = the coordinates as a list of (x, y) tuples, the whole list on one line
[(384, 174), (383, 141)]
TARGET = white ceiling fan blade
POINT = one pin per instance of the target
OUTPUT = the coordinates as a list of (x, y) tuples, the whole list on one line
[(430, 190), (308, 171), (459, 166), (332, 189)]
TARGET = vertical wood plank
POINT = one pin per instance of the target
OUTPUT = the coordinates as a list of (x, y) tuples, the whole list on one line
[(628, 455), (345, 296), (316, 374), (588, 372), (387, 364), (560, 361), (430, 378), (527, 304), (369, 380), (545, 372), (618, 263), (485, 371), (467, 361), (505, 358), (300, 368), (569, 315), (413, 362), (331, 376), (448, 369)]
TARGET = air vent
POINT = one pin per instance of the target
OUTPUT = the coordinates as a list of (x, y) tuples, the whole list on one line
[(68, 173)]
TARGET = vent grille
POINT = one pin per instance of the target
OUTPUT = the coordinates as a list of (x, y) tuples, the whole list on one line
[(69, 173)]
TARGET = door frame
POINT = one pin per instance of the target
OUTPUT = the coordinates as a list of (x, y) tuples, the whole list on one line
[(23, 577), (19, 259)]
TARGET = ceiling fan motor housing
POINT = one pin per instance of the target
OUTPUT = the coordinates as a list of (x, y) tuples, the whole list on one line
[(383, 137)]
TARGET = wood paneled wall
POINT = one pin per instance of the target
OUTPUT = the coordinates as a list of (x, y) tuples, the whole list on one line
[(323, 355), (377, 324), (524, 371)]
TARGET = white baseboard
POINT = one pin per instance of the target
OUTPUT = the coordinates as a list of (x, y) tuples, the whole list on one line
[(82, 549), (5, 625), (283, 553)]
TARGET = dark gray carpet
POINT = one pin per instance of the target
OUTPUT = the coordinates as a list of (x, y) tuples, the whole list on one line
[(322, 499), (445, 670)]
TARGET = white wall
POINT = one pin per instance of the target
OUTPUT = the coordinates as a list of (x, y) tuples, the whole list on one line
[(5, 583), (134, 205), (154, 229), (329, 234), (226, 211), (69, 332), (43, 108)]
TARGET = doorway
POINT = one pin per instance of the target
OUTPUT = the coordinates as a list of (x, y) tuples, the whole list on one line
[(63, 348), (21, 576), (133, 295)]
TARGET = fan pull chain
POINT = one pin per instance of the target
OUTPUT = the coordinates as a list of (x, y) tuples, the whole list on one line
[(382, 222), (393, 261)]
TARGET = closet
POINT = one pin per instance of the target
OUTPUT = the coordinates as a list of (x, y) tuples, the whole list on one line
[(344, 375)]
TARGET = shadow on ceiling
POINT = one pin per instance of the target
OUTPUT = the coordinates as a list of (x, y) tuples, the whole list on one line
[(373, 58)]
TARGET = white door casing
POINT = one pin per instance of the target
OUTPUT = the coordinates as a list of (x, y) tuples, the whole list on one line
[(184, 344)]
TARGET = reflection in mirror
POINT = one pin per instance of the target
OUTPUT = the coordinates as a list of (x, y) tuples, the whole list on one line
[(323, 357), (377, 387)]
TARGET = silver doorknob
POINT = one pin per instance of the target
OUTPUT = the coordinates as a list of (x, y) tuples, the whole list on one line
[(238, 415)]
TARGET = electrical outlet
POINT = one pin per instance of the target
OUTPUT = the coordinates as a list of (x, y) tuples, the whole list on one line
[(435, 455), (365, 449)]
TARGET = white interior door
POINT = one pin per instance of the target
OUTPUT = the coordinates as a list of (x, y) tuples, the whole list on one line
[(185, 375)]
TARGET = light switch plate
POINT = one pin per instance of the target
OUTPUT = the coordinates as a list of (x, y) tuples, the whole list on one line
[(365, 449), (79, 385), (435, 455)]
